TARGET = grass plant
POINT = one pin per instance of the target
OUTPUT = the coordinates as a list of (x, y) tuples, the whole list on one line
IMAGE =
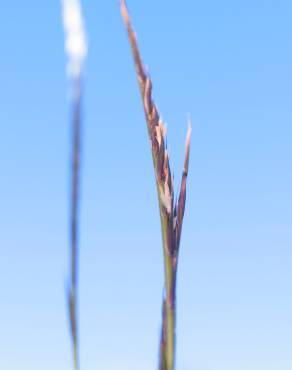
[(171, 209), (76, 49)]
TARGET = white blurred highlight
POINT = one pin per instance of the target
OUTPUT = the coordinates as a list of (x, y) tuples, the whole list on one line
[(75, 37)]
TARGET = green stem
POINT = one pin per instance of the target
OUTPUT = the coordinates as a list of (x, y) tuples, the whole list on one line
[(169, 300), (170, 329)]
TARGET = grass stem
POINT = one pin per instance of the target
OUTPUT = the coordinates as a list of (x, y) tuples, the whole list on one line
[(74, 220)]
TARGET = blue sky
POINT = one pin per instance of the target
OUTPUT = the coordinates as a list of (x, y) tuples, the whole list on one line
[(229, 64)]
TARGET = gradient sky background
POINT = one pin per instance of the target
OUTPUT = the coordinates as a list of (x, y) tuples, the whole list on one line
[(228, 63)]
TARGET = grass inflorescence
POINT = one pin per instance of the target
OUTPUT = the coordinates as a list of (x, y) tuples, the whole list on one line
[(171, 209)]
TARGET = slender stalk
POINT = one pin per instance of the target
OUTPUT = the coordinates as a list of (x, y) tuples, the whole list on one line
[(76, 49), (74, 222), (171, 211)]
